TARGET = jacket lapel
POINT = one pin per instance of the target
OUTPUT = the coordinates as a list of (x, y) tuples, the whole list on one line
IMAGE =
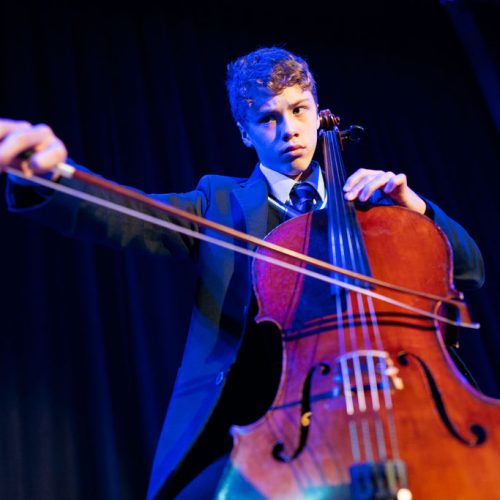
[(251, 197)]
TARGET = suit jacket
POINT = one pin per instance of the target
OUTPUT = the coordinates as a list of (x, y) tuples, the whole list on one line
[(223, 289)]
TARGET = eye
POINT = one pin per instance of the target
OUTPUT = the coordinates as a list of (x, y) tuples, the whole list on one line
[(266, 118), (299, 109)]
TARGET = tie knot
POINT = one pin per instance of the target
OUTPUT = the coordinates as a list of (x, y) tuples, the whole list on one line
[(304, 197)]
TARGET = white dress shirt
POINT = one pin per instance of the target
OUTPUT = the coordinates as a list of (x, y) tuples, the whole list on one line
[(281, 185)]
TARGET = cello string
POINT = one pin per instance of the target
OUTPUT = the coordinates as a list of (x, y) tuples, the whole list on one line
[(382, 364), (346, 234), (381, 440), (367, 439), (355, 257), (386, 387), (379, 433), (355, 359), (353, 434), (338, 220), (347, 225), (338, 257), (372, 377)]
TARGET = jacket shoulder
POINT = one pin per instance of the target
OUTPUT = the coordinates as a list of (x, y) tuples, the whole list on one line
[(221, 181)]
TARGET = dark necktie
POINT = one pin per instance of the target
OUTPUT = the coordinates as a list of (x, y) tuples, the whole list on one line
[(304, 197)]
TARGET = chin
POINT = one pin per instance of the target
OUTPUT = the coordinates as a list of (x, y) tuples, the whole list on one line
[(292, 169), (298, 168)]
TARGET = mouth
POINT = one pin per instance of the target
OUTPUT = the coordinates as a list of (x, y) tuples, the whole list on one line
[(295, 150)]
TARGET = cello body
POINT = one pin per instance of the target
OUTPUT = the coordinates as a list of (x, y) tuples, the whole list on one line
[(370, 405)]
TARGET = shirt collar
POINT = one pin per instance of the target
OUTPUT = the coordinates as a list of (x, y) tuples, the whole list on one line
[(281, 185)]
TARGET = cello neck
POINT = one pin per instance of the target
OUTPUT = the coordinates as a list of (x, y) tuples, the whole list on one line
[(346, 243)]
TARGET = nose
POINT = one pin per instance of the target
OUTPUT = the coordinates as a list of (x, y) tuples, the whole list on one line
[(289, 128)]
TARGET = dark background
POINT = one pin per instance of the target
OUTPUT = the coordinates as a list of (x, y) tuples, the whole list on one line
[(90, 338)]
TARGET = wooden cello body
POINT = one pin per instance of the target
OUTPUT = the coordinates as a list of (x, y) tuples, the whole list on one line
[(370, 405)]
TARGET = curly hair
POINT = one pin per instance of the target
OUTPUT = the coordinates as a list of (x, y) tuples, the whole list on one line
[(272, 69)]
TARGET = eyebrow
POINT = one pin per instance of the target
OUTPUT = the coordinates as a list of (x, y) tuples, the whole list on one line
[(303, 100)]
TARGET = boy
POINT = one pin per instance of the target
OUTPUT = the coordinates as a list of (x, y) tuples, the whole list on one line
[(274, 102)]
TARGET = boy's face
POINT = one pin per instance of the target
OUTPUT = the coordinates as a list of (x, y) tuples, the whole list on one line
[(283, 129)]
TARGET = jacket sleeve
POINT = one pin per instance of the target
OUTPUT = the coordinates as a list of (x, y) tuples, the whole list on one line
[(85, 220), (468, 264)]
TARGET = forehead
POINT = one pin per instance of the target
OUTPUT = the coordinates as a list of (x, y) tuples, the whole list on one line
[(265, 101)]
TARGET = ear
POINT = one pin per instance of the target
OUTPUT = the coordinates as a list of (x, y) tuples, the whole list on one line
[(244, 136), (318, 120)]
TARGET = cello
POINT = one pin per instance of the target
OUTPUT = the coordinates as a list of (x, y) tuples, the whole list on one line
[(370, 404), (368, 394)]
